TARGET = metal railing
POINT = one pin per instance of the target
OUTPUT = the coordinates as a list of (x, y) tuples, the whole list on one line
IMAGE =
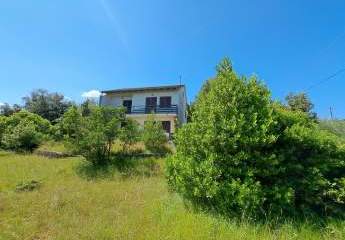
[(152, 109)]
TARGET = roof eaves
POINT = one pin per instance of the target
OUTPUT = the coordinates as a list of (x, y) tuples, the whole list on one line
[(168, 87)]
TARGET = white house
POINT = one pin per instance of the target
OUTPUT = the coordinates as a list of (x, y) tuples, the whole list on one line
[(167, 103)]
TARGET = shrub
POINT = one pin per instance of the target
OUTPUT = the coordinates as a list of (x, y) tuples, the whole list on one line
[(129, 134), (2, 127), (71, 125), (86, 107), (24, 131), (41, 125), (93, 136), (309, 162), (23, 137), (154, 137), (243, 154)]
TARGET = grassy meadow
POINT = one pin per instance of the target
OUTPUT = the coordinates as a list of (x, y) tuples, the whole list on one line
[(336, 127), (122, 201)]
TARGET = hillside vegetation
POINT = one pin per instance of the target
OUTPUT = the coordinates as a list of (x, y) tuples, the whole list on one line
[(243, 167), (74, 201), (243, 154), (335, 126)]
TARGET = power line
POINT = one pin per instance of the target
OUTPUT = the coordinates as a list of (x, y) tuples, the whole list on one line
[(325, 79)]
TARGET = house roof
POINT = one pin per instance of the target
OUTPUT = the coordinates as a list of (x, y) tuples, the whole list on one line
[(141, 89)]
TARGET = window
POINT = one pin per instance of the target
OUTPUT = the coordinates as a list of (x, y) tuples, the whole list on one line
[(166, 126), (128, 105), (165, 102), (150, 104)]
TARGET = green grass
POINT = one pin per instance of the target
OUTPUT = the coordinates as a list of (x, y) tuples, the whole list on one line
[(336, 127), (74, 201)]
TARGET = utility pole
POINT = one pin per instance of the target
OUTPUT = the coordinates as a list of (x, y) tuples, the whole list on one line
[(331, 112), (180, 77)]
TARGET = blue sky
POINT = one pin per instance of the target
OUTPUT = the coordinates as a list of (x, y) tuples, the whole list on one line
[(80, 45)]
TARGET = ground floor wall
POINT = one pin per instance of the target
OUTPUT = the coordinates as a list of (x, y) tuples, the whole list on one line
[(141, 118)]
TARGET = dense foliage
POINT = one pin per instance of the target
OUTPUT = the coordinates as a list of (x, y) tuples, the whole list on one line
[(50, 106), (23, 131), (2, 127), (311, 166), (86, 107), (336, 127), (129, 134), (93, 135), (243, 154), (71, 125), (22, 137), (154, 136)]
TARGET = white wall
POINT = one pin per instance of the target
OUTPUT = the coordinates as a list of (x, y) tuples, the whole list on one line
[(182, 114), (139, 98)]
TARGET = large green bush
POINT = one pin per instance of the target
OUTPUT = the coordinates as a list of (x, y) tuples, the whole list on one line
[(242, 154), (310, 164), (23, 137), (23, 131)]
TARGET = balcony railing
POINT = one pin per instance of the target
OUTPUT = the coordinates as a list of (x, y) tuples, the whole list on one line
[(152, 109)]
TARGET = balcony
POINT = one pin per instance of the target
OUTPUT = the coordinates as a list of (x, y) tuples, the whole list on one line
[(172, 109)]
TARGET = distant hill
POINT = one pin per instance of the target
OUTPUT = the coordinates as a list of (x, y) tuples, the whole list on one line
[(335, 126)]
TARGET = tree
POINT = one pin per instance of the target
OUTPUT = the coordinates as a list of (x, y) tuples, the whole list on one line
[(300, 102), (71, 123), (224, 67), (129, 133), (154, 136), (8, 110), (86, 106), (50, 106), (244, 154), (96, 133), (16, 108), (230, 124)]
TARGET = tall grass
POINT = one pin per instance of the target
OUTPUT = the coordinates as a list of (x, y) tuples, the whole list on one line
[(52, 146), (122, 201)]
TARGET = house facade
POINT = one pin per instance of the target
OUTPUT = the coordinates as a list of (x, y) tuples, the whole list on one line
[(168, 104)]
